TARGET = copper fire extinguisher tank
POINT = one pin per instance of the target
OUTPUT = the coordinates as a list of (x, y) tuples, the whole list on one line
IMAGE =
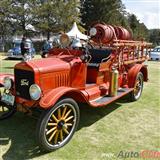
[(114, 82)]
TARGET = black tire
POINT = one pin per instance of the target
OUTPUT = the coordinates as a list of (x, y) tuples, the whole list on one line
[(6, 111), (55, 128), (138, 88)]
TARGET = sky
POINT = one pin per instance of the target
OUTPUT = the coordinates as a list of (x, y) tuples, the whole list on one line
[(147, 11)]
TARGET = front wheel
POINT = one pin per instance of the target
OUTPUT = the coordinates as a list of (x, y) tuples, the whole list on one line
[(6, 111), (138, 87), (58, 124)]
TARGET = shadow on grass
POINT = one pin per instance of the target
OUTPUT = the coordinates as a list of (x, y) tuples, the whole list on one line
[(12, 59), (8, 67), (90, 115), (18, 132)]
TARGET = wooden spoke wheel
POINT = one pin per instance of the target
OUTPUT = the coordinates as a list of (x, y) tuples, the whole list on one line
[(6, 111), (138, 87), (58, 124)]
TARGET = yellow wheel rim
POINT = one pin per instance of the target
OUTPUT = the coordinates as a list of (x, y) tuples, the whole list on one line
[(138, 87), (60, 124), (3, 109)]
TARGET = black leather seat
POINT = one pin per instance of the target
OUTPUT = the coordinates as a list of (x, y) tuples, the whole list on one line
[(97, 56)]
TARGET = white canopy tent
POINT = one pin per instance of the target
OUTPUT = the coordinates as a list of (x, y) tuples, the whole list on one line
[(74, 32)]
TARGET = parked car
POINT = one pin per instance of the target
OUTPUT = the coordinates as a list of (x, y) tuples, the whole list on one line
[(155, 53), (15, 52)]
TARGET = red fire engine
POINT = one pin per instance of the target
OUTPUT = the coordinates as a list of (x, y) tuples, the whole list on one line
[(96, 71)]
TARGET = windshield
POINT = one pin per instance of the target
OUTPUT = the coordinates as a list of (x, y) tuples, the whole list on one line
[(156, 50), (16, 45)]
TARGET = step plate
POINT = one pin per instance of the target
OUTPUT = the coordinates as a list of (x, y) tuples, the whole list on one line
[(107, 99)]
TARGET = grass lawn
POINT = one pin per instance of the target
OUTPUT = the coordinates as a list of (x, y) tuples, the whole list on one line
[(102, 133), (6, 66)]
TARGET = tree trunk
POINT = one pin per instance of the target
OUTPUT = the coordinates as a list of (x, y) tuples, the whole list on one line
[(48, 35)]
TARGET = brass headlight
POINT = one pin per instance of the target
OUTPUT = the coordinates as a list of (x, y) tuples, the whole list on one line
[(35, 91), (7, 82), (65, 40)]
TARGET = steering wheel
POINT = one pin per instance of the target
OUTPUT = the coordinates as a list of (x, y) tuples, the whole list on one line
[(89, 44)]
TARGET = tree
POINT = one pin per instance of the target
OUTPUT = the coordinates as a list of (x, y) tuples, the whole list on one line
[(6, 29), (133, 23), (108, 11), (21, 15), (112, 12), (53, 16), (154, 36), (139, 30), (143, 31)]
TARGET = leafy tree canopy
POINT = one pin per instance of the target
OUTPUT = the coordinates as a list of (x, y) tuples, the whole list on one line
[(54, 16), (49, 16)]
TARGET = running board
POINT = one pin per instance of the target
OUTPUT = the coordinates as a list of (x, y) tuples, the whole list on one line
[(102, 101)]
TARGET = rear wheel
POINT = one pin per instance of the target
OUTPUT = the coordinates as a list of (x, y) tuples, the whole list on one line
[(58, 124), (138, 87)]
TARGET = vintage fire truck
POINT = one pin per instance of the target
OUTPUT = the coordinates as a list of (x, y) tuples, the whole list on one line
[(96, 71)]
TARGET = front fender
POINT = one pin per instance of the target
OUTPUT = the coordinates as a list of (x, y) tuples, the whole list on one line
[(52, 96), (133, 71), (3, 75)]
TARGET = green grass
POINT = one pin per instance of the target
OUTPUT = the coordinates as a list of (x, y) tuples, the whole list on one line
[(103, 132), (6, 66)]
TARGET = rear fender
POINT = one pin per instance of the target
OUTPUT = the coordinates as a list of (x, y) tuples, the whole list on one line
[(2, 76), (51, 97), (133, 71)]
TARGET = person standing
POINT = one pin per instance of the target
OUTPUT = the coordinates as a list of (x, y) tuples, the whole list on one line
[(26, 49), (45, 49), (23, 49)]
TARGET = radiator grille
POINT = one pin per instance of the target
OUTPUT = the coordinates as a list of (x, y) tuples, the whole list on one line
[(23, 80)]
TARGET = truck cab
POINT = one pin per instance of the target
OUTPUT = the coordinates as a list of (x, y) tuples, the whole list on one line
[(96, 71)]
